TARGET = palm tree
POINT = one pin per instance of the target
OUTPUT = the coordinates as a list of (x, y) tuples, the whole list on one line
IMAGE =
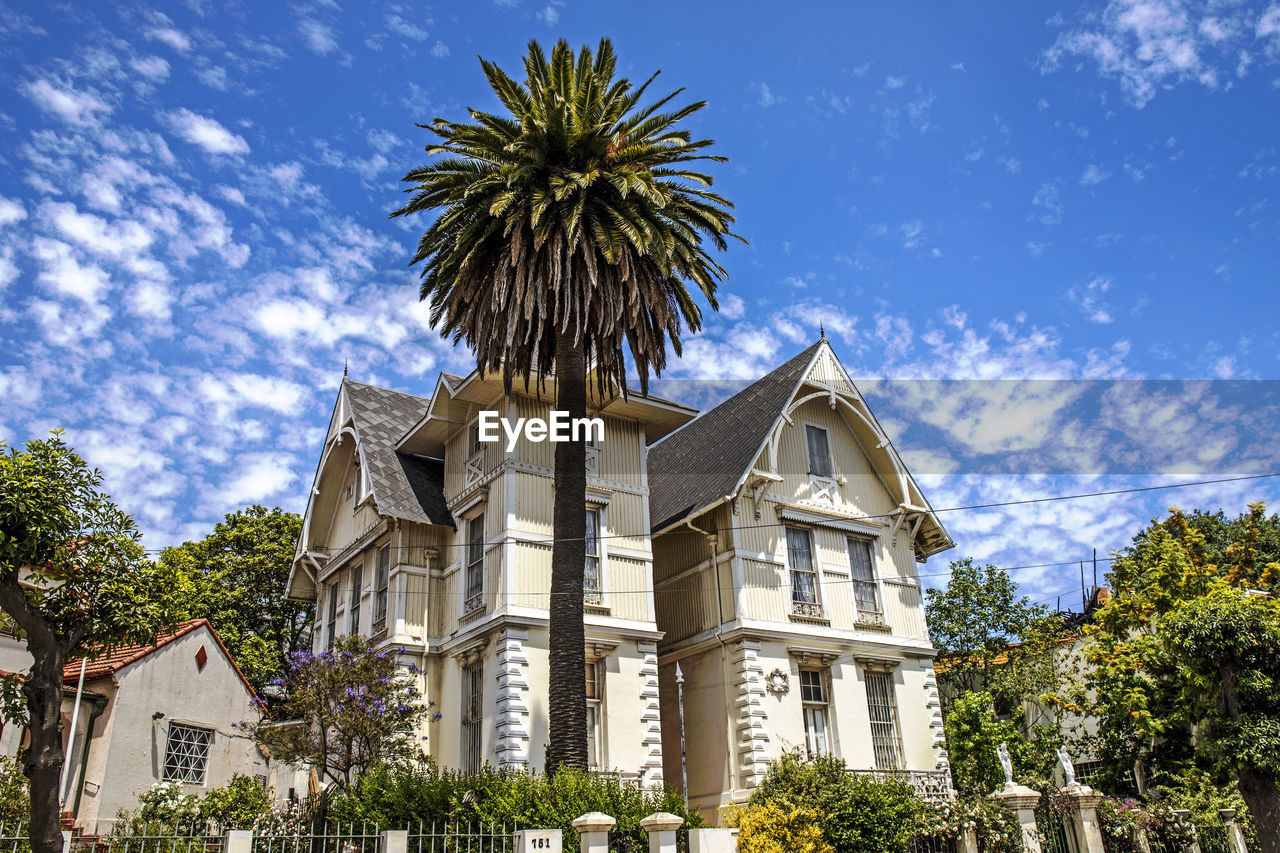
[(566, 232)]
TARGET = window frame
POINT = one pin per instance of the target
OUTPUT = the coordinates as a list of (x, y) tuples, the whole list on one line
[(331, 615), (816, 710), (183, 775), (593, 596), (809, 454), (473, 560), (874, 613), (353, 601), (472, 718), (382, 589), (596, 741), (886, 744), (799, 606)]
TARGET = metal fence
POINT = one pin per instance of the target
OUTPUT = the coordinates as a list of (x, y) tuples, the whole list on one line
[(1056, 831), (1213, 839), (931, 844), (13, 838), (450, 837), (336, 838)]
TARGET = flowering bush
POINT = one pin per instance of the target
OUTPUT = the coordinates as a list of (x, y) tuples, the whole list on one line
[(15, 803), (996, 827), (767, 828)]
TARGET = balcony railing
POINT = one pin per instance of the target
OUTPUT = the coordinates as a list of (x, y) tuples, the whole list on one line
[(930, 785), (807, 610)]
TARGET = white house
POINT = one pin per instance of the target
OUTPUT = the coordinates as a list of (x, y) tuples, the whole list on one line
[(786, 535), (170, 711)]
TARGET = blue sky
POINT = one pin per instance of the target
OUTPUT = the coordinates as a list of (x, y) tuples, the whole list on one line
[(193, 232)]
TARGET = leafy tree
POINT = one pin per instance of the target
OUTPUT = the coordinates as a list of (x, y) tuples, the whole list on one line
[(1183, 657), (990, 639), (74, 578), (235, 577), (237, 804), (974, 733), (567, 230), (347, 708)]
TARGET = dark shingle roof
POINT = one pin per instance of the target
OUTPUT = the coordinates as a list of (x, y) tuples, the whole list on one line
[(703, 461), (404, 485)]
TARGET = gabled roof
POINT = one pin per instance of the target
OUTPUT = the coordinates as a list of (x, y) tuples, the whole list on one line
[(122, 656), (404, 485), (703, 461)]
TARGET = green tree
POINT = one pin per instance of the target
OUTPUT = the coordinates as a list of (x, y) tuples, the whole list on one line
[(235, 577), (74, 578), (567, 230), (974, 733), (1183, 656), (348, 708)]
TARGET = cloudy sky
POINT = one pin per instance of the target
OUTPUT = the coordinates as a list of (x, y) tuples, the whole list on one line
[(194, 235)]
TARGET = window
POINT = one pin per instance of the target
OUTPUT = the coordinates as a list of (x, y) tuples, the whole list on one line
[(380, 591), (473, 438), (472, 713), (819, 450), (353, 604), (595, 714), (886, 741), (866, 594), (804, 580), (591, 570), (186, 754), (813, 697), (474, 599), (331, 623)]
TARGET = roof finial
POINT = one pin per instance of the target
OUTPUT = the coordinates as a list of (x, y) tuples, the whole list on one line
[(822, 332), (344, 368)]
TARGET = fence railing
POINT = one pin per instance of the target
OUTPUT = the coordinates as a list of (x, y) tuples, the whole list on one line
[(461, 838), (930, 785), (13, 838)]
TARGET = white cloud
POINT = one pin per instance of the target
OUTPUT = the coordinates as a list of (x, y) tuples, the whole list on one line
[(318, 37), (155, 67), (549, 16), (1093, 174), (440, 50), (207, 133), (732, 306), (61, 272), (11, 211), (8, 269), (72, 106), (255, 478), (1046, 205), (176, 39), (767, 97), (1091, 299), (408, 29)]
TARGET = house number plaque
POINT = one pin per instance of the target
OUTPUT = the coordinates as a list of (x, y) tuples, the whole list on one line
[(539, 841)]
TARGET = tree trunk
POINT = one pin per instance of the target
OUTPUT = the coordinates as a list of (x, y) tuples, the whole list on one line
[(567, 687), (1262, 795), (42, 763)]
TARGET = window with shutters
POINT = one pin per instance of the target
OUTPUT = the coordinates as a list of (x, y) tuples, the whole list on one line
[(591, 568), (813, 698), (186, 754), (595, 714), (819, 448), (472, 715), (381, 591), (866, 590), (474, 595), (882, 707), (804, 576), (353, 603)]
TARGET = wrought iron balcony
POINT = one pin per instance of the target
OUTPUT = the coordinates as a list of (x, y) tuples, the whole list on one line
[(930, 785)]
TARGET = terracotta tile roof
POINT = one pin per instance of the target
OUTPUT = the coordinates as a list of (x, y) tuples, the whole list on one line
[(120, 657), (703, 461)]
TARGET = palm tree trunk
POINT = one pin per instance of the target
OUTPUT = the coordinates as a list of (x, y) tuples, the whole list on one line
[(42, 763), (567, 687)]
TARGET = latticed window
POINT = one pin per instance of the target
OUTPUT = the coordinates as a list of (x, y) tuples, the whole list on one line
[(475, 564), (866, 594), (886, 740), (815, 439), (472, 714), (186, 754), (380, 591), (595, 714), (813, 696), (591, 568), (804, 580), (353, 603)]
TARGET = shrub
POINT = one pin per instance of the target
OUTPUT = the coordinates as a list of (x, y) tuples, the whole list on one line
[(398, 796), (994, 823), (973, 734), (237, 804), (858, 814), (767, 828), (15, 801)]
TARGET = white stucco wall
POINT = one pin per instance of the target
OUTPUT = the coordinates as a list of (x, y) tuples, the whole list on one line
[(127, 753)]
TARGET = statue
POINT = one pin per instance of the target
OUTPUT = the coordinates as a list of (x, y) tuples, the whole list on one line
[(1006, 763), (1068, 769)]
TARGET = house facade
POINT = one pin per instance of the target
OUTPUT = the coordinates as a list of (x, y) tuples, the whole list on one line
[(423, 536), (172, 711), (786, 537)]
